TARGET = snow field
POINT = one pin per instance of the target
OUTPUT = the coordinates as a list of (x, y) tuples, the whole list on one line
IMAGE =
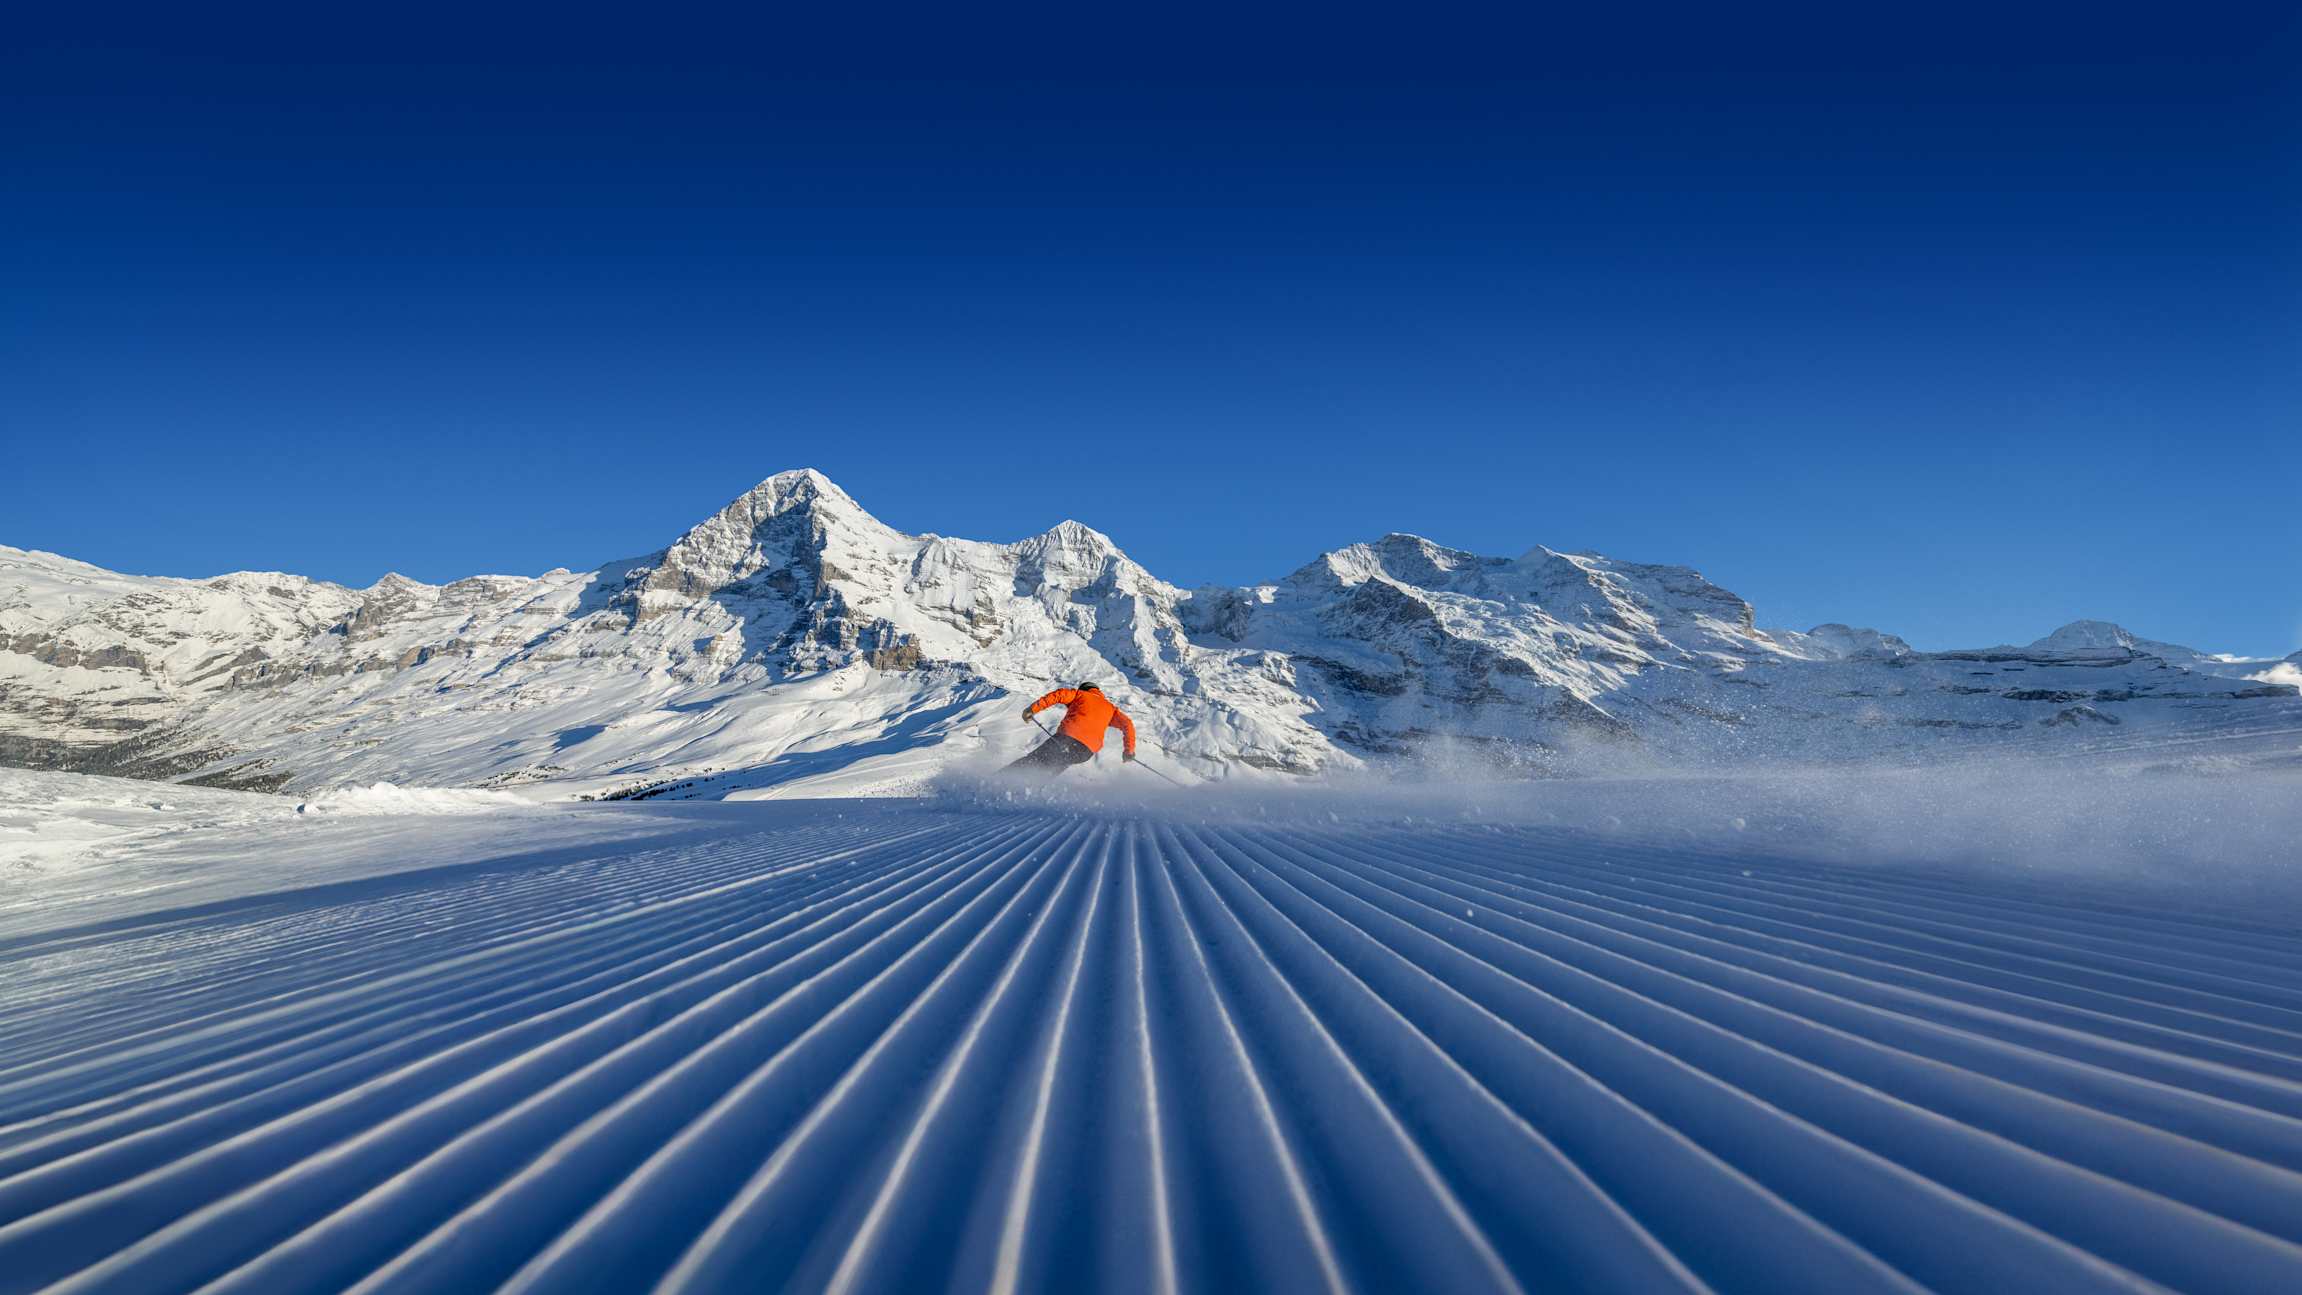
[(887, 1045)]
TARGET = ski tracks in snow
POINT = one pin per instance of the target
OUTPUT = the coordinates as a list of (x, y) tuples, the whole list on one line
[(909, 1047)]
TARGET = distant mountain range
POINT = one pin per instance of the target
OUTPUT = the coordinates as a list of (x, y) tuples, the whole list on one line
[(792, 643)]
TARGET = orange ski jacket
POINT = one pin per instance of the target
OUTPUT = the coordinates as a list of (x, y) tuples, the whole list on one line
[(1085, 716)]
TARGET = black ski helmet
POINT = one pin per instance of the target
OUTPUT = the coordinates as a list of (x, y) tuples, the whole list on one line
[(1088, 687)]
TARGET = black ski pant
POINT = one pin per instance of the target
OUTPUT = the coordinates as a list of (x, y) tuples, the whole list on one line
[(1053, 756)]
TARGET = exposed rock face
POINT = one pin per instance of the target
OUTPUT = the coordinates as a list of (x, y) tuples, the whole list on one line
[(903, 656), (1845, 642), (156, 753), (793, 624)]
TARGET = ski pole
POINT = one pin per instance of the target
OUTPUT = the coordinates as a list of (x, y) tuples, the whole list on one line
[(1162, 777)]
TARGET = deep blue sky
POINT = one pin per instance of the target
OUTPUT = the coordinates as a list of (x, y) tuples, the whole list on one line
[(1958, 321)]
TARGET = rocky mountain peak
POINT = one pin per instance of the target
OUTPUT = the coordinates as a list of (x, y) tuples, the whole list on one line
[(796, 488), (1073, 555), (2086, 637), (1633, 592), (1072, 535), (784, 533), (1413, 560), (2089, 634), (1398, 557), (1851, 641), (802, 493)]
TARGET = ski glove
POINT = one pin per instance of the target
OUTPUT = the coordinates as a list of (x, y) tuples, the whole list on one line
[(1128, 758)]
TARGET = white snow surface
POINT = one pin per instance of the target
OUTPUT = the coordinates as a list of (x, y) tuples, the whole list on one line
[(1786, 1033), (78, 848), (383, 798), (792, 644)]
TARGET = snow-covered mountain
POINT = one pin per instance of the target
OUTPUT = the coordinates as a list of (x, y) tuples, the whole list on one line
[(792, 640)]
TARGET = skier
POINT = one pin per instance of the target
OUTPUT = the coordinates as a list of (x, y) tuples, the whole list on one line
[(1086, 713)]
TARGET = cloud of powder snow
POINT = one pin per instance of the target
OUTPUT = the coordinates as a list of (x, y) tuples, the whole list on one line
[(2222, 829), (2285, 672)]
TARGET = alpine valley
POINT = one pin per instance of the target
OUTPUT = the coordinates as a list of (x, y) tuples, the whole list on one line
[(792, 643)]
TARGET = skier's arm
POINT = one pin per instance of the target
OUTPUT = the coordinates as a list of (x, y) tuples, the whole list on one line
[(1126, 730), (1059, 697)]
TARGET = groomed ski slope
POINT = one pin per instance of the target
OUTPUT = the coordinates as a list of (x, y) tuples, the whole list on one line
[(888, 1046)]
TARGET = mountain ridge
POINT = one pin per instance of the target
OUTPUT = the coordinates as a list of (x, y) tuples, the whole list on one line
[(791, 640)]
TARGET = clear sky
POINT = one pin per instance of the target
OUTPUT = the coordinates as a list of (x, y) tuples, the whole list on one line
[(1957, 320)]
